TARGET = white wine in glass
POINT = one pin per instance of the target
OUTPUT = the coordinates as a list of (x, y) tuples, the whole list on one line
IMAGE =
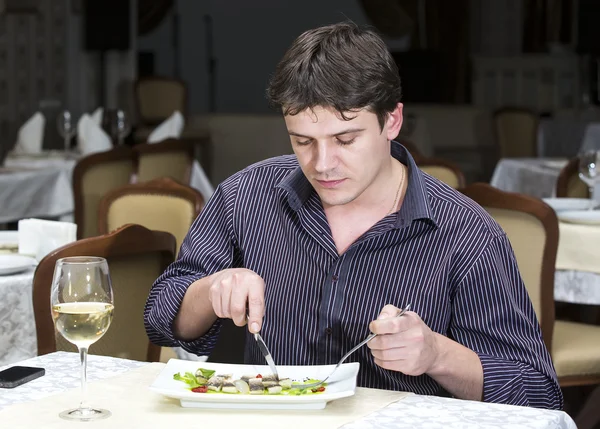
[(82, 309)]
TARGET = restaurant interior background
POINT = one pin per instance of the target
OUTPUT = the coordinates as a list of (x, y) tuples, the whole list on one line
[(462, 62)]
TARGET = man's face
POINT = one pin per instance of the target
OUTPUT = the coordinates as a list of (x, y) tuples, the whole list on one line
[(343, 159)]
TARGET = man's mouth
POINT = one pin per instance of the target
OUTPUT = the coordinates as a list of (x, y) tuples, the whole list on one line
[(330, 183)]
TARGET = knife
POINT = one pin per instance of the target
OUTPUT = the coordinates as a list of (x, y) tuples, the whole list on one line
[(266, 353)]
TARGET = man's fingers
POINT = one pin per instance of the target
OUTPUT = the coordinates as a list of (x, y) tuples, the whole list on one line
[(256, 307), (225, 288), (391, 325), (238, 306), (388, 311), (397, 353), (215, 298)]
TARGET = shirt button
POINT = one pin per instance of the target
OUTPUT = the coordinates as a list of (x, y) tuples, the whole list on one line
[(335, 277), (328, 331)]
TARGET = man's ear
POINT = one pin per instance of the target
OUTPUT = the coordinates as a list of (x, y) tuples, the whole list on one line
[(394, 122)]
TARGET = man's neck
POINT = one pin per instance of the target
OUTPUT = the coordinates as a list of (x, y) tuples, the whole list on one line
[(350, 221)]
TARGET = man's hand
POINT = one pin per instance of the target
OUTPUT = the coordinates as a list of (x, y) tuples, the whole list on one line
[(404, 344), (237, 292)]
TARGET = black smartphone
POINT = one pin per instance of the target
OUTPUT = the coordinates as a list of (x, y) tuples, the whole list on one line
[(17, 375)]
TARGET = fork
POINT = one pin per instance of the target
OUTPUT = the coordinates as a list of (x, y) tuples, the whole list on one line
[(358, 346)]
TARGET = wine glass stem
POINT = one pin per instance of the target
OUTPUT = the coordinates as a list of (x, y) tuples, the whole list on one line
[(83, 352), (67, 141)]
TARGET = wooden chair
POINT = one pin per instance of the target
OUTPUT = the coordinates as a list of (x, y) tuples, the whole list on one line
[(568, 184), (516, 132), (410, 147), (159, 205), (443, 170), (93, 177), (157, 97), (136, 257), (532, 228), (169, 158)]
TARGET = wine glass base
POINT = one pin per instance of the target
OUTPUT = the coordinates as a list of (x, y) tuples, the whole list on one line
[(85, 414)]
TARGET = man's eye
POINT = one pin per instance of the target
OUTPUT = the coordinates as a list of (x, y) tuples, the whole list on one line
[(344, 142), (303, 142)]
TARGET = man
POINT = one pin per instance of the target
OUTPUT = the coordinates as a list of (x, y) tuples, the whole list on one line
[(319, 249)]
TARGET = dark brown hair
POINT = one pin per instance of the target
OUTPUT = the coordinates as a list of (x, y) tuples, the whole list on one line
[(342, 66)]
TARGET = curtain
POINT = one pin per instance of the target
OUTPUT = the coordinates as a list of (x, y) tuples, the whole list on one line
[(151, 13), (438, 28), (546, 22)]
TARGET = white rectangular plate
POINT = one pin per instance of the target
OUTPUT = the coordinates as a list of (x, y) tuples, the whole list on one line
[(341, 385)]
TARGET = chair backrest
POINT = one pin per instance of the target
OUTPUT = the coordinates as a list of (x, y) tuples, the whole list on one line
[(93, 177), (410, 147), (168, 158), (136, 257), (443, 170), (158, 97), (568, 184), (516, 132), (159, 205), (532, 228)]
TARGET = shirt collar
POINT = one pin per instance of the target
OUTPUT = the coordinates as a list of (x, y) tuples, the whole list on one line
[(415, 205)]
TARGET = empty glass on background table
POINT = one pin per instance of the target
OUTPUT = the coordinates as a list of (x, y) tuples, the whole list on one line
[(589, 170), (122, 126), (82, 309), (66, 127)]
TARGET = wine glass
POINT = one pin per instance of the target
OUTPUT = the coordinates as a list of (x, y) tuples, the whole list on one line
[(589, 170), (66, 127), (123, 127), (82, 309)]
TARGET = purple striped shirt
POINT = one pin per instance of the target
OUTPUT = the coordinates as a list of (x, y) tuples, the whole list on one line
[(441, 252)]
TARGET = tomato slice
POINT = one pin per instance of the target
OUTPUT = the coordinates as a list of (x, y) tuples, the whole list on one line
[(200, 389)]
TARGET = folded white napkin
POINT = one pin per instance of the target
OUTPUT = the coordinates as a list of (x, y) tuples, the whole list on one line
[(97, 116), (170, 128), (38, 237), (90, 137), (31, 135)]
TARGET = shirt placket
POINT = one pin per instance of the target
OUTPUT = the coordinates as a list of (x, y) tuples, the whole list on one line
[(330, 311)]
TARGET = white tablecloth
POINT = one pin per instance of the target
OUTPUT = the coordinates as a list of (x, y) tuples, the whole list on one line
[(39, 187), (530, 176), (416, 411), (35, 187), (578, 287), (18, 339), (62, 372), (413, 411)]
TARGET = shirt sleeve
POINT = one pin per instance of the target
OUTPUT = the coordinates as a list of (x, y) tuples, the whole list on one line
[(209, 246), (493, 316)]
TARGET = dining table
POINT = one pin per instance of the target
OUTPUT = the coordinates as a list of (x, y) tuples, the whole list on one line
[(36, 186), (537, 177), (18, 338), (123, 387), (41, 186)]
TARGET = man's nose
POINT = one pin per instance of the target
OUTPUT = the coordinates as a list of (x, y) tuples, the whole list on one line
[(324, 158)]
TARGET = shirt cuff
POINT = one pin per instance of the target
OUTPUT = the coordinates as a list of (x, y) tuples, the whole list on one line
[(162, 315), (502, 381)]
